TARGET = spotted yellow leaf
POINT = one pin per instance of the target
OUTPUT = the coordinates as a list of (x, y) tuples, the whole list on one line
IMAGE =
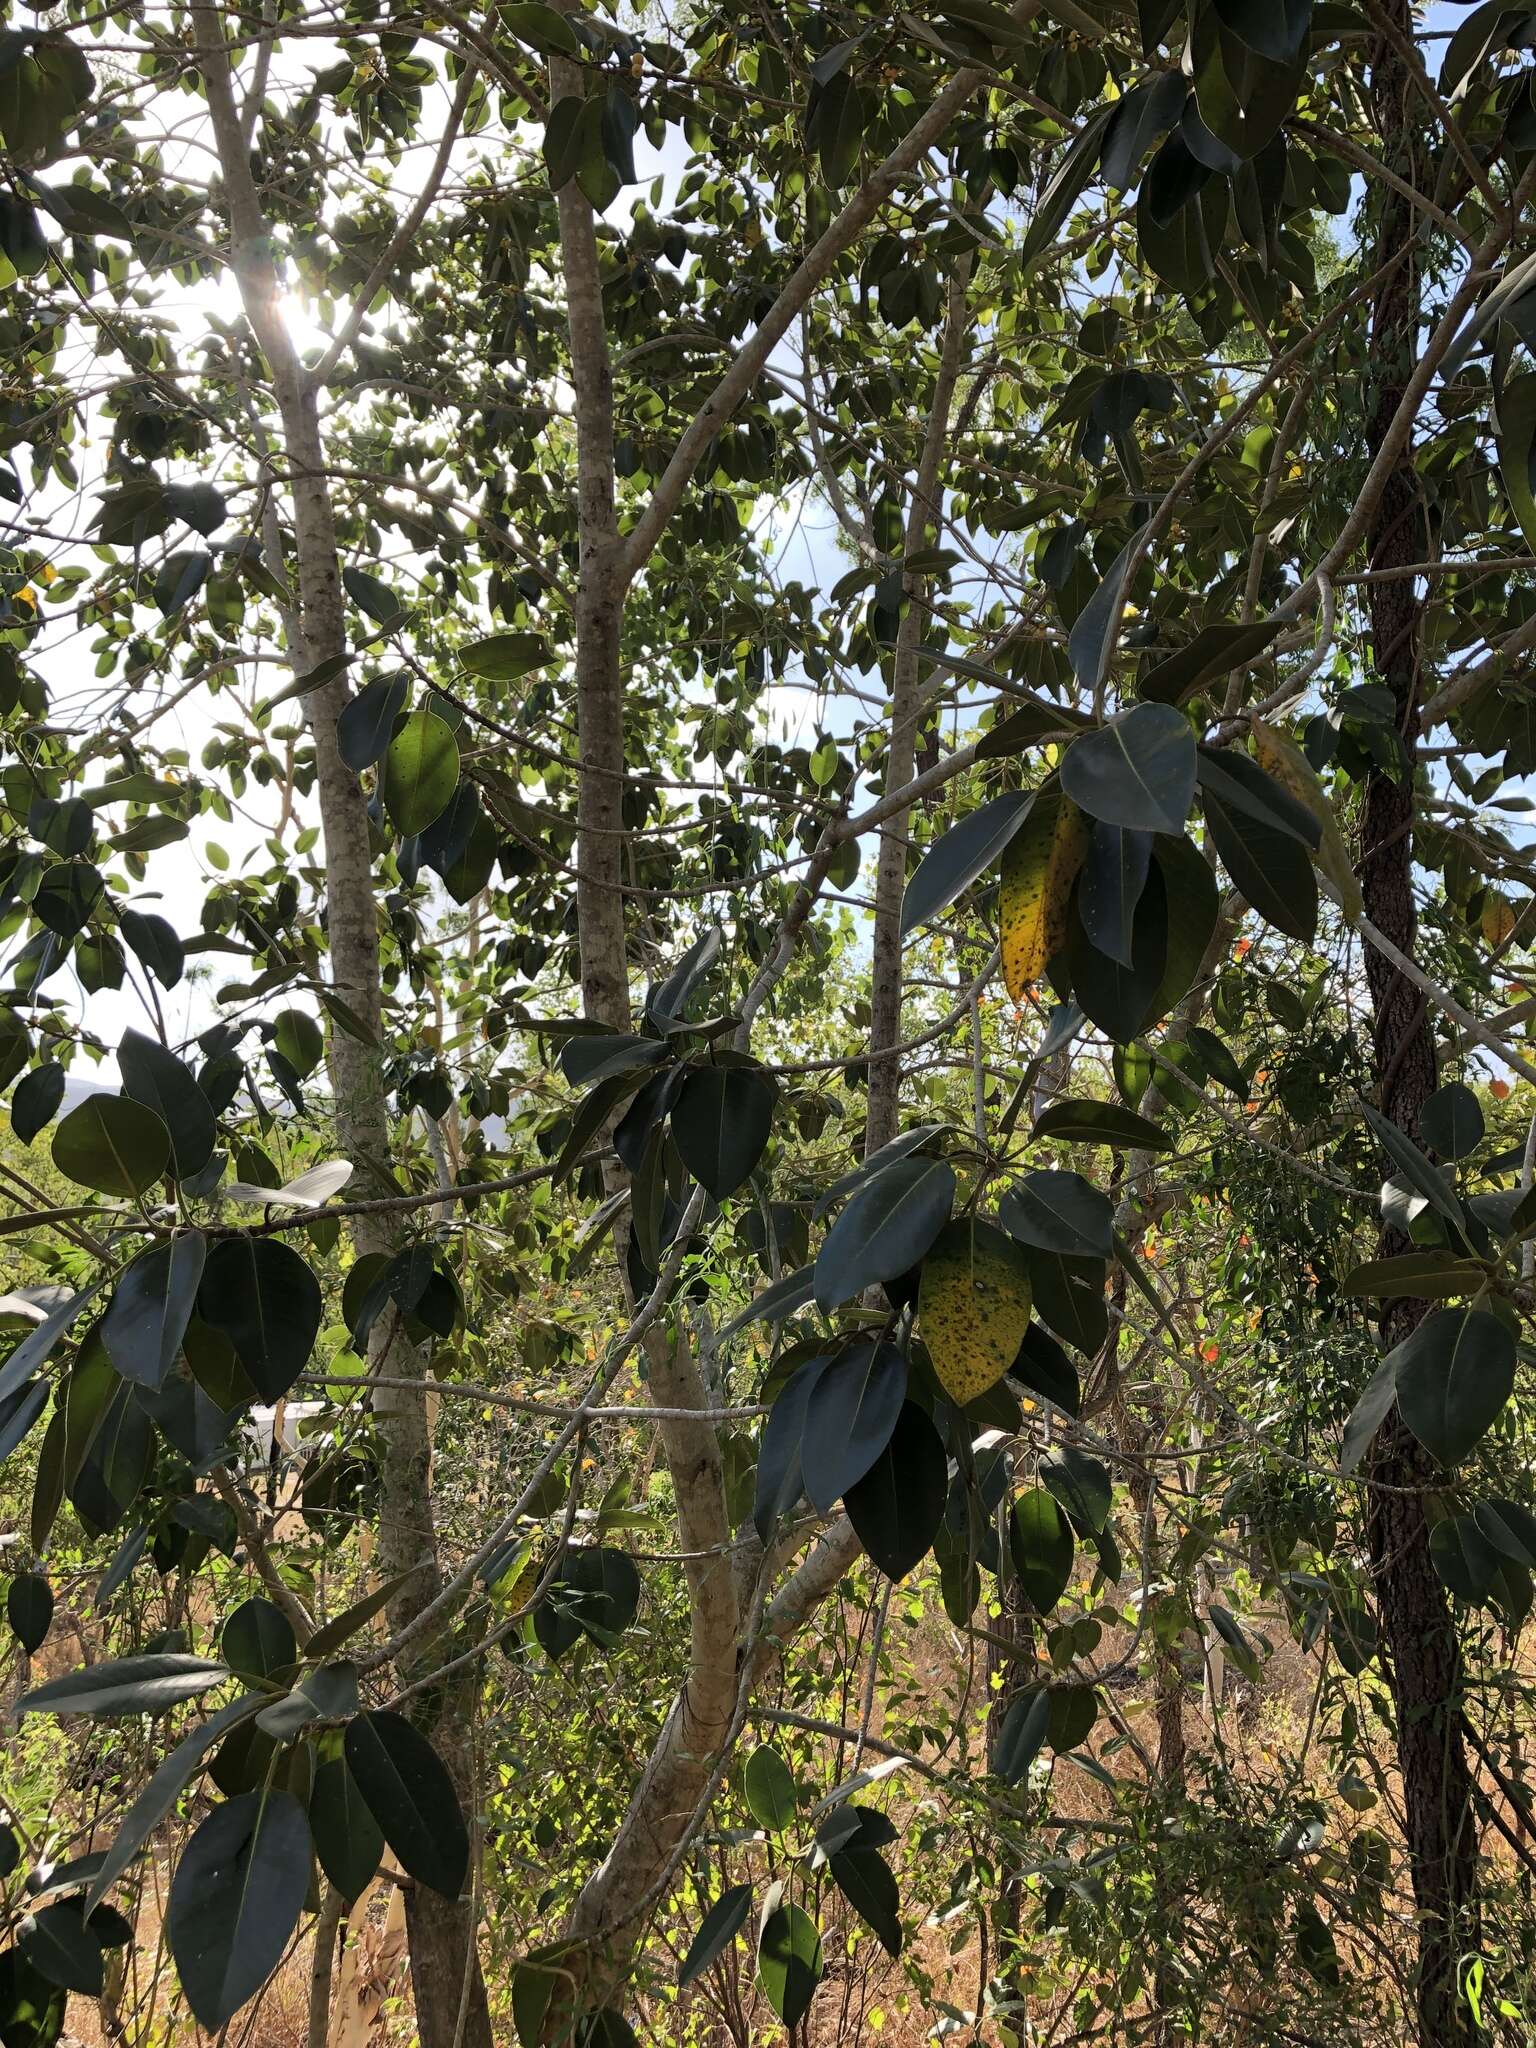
[(1039, 867), (1498, 919), (1280, 756), (974, 1306)]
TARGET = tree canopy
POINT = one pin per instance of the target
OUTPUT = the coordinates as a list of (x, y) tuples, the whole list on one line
[(765, 971)]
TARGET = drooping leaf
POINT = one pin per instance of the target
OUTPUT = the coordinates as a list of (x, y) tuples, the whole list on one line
[(1110, 888), (421, 772), (1466, 1562), (1041, 1547), (779, 1482), (112, 1144), (154, 1076), (367, 722), (263, 1297), (851, 1411), (148, 1314), (1022, 1735), (966, 850), (1080, 1485), (60, 1945), (721, 1123), (1425, 1179), (1427, 1275), (1066, 187), (896, 1508), (885, 1229), (407, 1789), (769, 1790), (974, 1306), (1281, 758), (36, 1100), (788, 1959), (717, 1930), (348, 1840), (1451, 1122), (235, 1900), (169, 1780), (29, 1610), (1045, 1368), (1454, 1373), (869, 1885), (1040, 866)]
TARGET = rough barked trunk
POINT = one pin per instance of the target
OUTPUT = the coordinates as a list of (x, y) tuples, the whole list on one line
[(1426, 1672), (445, 1970), (885, 977)]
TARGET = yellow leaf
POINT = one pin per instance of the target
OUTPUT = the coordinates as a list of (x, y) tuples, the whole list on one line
[(1498, 918), (1039, 868), (974, 1306), (1280, 756)]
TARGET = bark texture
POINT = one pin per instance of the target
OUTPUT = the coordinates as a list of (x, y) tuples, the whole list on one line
[(1426, 1670)]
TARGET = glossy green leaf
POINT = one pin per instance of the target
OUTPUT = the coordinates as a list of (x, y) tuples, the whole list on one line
[(966, 850), (885, 1229), (769, 1790), (407, 1789), (1137, 772), (111, 1144), (421, 772), (1454, 1374), (148, 1314)]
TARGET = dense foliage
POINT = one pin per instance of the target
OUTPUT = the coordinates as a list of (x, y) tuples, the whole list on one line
[(764, 948)]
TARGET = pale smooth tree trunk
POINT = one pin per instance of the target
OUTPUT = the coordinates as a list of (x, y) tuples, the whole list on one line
[(924, 513), (441, 1931)]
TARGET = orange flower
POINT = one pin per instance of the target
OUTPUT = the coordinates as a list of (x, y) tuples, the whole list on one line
[(1242, 949), (1498, 1090), (1210, 1353)]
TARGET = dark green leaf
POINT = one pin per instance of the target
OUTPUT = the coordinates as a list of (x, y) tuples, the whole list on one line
[(1213, 653), (1113, 878), (1041, 1547), (235, 1900), (1451, 1122), (717, 1930), (966, 850), (1022, 1735), (111, 1144), (721, 1124), (1079, 1484), (148, 1314), (1138, 772), (170, 1779), (367, 724), (779, 1483), (348, 1840), (29, 1609), (1059, 1212), (124, 1685), (258, 1641), (1101, 1123), (155, 942), (1467, 1563), (868, 1883), (1454, 1373), (411, 1796), (769, 1790), (36, 1100), (60, 1946), (850, 1414), (885, 1229), (897, 1506), (1088, 647), (1045, 1369), (264, 1299), (788, 1959)]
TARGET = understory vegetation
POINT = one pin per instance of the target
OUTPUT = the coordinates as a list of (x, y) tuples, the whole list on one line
[(766, 976)]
